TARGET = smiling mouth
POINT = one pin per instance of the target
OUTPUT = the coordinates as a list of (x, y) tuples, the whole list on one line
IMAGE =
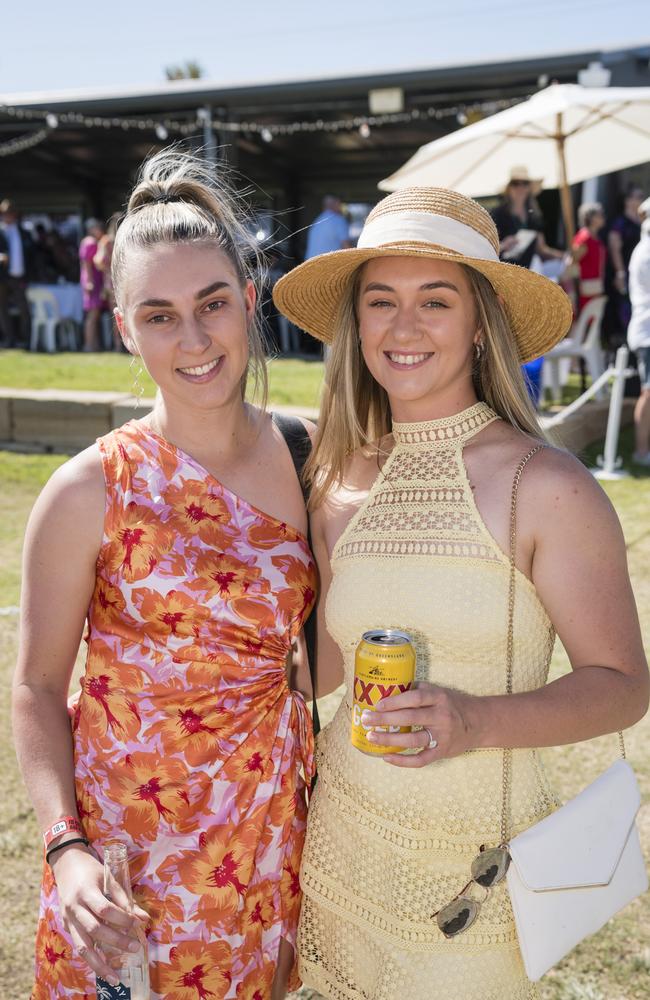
[(407, 360), (201, 369)]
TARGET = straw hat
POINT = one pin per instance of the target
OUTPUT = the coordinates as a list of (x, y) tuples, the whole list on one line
[(521, 174), (439, 224)]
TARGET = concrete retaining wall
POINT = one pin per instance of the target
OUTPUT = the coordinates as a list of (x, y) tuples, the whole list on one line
[(66, 421), (62, 420)]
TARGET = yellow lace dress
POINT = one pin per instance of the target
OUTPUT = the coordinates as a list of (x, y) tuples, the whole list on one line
[(387, 847)]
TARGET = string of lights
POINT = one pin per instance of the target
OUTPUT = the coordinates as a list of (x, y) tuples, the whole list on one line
[(267, 131), (23, 142)]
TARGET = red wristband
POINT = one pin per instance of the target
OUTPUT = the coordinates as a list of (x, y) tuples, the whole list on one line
[(67, 824)]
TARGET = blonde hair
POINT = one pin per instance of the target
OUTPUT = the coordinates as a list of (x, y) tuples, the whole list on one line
[(355, 409), (178, 199)]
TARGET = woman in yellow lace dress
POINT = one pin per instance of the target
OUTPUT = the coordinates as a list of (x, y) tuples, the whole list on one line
[(425, 421)]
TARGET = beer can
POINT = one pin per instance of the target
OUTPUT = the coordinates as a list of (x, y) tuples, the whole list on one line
[(384, 665)]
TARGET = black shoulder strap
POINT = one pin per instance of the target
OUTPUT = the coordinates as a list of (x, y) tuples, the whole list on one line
[(299, 444)]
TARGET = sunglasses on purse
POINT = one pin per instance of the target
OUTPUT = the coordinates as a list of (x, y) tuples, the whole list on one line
[(488, 869)]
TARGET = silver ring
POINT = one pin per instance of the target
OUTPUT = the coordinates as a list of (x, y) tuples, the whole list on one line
[(432, 742)]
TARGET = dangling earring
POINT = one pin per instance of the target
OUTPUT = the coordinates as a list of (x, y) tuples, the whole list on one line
[(138, 387), (479, 347)]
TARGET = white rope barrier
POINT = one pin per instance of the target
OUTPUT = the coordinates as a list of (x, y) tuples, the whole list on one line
[(609, 464)]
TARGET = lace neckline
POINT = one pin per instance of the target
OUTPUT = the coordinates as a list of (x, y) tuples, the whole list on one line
[(459, 427)]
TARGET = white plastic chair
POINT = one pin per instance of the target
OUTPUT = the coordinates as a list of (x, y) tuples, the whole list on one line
[(583, 342), (47, 322)]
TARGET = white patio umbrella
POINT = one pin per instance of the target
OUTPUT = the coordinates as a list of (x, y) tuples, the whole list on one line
[(563, 134)]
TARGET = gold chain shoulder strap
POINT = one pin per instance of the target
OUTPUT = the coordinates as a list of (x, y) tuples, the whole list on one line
[(507, 751), (506, 817)]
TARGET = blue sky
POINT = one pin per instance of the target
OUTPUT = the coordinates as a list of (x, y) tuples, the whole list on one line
[(74, 44)]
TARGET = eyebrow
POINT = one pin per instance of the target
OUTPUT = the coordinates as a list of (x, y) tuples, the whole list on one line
[(214, 287), (375, 286)]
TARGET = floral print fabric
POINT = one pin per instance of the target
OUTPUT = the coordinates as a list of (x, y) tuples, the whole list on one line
[(188, 743)]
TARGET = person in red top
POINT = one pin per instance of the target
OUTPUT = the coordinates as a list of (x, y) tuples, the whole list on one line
[(589, 253)]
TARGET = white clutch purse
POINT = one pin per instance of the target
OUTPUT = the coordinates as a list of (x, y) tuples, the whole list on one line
[(574, 870)]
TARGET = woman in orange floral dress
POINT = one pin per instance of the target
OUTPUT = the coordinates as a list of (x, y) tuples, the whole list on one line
[(180, 539)]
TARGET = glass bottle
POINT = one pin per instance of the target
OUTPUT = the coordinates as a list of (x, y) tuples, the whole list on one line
[(134, 966)]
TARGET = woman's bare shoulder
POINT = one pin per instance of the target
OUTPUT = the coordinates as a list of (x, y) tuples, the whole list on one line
[(557, 495), (83, 473), (74, 496), (503, 447), (561, 483)]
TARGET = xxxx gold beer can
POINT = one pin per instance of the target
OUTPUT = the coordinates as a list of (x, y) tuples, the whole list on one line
[(384, 665)]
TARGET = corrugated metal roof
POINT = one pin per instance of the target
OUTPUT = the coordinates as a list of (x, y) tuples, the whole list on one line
[(183, 93)]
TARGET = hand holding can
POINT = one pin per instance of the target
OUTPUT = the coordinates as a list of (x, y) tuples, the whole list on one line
[(384, 666)]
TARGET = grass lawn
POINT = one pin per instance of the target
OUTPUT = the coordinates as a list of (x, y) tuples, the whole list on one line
[(293, 381), (614, 965)]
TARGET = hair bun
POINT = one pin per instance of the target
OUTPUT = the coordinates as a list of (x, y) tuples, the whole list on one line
[(164, 199)]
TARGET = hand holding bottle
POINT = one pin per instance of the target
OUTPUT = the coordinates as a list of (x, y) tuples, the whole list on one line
[(101, 929)]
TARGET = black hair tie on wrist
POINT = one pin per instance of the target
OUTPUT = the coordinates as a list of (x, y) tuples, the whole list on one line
[(66, 843)]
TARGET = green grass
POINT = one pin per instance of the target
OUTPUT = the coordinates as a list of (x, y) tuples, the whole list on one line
[(568, 392), (22, 477), (292, 381), (613, 965)]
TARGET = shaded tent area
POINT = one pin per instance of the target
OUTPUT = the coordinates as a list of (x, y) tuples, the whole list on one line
[(291, 141)]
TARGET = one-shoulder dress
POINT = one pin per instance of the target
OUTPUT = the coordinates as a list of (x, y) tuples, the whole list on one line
[(189, 745), (387, 847)]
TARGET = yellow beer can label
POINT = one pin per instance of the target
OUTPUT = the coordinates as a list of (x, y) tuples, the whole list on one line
[(384, 666)]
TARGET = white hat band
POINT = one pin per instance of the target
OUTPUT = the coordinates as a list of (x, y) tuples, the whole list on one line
[(426, 227)]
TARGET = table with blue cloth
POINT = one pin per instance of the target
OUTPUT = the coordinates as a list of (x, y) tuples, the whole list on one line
[(68, 297)]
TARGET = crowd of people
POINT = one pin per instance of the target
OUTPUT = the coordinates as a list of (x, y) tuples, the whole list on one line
[(597, 263), (189, 547), (35, 254)]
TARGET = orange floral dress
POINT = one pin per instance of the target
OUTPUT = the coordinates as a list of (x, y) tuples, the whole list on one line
[(188, 743)]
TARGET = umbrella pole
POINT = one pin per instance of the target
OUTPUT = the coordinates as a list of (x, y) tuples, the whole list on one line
[(565, 191)]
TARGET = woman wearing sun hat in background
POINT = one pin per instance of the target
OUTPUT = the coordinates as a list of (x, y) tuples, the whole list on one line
[(424, 430), (519, 213), (517, 210)]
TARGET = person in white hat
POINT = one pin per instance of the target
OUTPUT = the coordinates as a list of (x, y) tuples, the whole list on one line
[(426, 433), (520, 226), (638, 334), (519, 213)]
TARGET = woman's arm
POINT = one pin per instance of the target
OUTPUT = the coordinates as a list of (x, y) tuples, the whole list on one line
[(102, 258), (578, 250), (615, 247), (545, 251), (62, 542), (580, 574), (329, 661), (581, 577)]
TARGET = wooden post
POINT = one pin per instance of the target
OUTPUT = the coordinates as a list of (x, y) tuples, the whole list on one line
[(565, 191)]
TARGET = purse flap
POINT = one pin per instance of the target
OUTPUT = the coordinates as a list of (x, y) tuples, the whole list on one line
[(581, 843)]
